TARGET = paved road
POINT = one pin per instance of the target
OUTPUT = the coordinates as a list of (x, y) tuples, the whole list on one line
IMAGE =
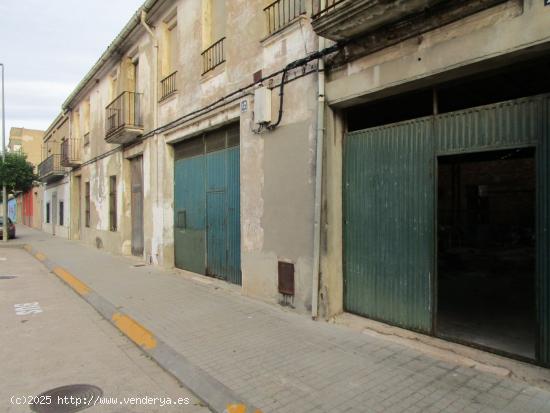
[(60, 340), (278, 360)]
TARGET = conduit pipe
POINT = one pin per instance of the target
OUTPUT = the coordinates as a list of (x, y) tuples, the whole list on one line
[(159, 151), (318, 179)]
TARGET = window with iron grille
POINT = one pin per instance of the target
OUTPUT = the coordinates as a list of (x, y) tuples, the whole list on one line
[(112, 204), (87, 205), (61, 213)]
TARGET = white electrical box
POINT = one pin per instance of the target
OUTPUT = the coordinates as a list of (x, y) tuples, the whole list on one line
[(262, 105)]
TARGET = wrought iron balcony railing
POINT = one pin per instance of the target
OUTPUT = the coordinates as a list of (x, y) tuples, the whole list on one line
[(168, 85), (123, 112), (319, 9), (281, 13), (71, 152), (50, 168), (213, 56)]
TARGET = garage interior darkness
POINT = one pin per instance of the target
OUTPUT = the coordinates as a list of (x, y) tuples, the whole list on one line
[(513, 81), (486, 250)]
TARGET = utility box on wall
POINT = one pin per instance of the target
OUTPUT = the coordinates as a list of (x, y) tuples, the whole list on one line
[(262, 105)]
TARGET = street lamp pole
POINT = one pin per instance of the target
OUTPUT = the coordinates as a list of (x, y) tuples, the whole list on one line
[(4, 190)]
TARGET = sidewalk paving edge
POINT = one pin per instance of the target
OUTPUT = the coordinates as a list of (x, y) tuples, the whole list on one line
[(218, 397)]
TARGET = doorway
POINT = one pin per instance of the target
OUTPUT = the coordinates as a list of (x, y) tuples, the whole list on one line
[(77, 207), (54, 212), (207, 236), (136, 167), (486, 250)]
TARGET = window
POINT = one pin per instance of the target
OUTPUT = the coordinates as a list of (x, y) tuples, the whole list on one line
[(171, 46), (47, 212), (61, 213), (86, 114), (113, 86), (87, 205), (112, 204), (213, 34), (215, 22), (76, 123), (169, 56)]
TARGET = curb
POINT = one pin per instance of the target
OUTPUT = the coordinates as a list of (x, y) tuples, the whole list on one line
[(218, 397)]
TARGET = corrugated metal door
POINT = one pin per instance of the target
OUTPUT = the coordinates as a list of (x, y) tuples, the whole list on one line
[(207, 205), (136, 168), (389, 223), (216, 213), (190, 214)]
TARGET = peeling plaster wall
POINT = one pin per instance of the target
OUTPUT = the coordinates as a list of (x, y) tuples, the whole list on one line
[(98, 171), (277, 168), (466, 46)]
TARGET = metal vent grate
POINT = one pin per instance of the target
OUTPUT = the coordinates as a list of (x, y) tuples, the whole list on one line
[(286, 278)]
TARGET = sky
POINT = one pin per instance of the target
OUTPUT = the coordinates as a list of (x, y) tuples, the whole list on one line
[(47, 47)]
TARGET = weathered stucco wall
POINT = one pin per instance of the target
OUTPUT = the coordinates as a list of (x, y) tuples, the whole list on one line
[(56, 193), (276, 167)]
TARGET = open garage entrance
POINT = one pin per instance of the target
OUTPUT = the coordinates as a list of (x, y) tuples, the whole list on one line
[(446, 204), (486, 250)]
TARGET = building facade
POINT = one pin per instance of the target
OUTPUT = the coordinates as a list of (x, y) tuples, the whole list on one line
[(55, 178), (29, 142), (328, 156)]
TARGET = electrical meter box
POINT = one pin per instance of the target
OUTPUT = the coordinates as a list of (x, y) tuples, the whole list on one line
[(262, 105)]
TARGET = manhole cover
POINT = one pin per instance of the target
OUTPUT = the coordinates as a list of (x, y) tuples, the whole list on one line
[(67, 399), (7, 277)]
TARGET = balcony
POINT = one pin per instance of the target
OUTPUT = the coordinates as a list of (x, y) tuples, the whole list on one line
[(168, 86), (281, 13), (50, 169), (123, 119), (213, 56), (346, 19), (71, 152)]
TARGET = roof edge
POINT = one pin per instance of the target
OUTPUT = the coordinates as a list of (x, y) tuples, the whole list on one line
[(115, 44)]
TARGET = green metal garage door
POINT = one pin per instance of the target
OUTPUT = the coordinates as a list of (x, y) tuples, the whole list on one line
[(389, 225), (207, 205), (389, 215)]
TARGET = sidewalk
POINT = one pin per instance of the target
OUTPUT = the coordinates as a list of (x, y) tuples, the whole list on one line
[(277, 360)]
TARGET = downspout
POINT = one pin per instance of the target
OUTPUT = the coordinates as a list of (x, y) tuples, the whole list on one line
[(318, 179), (155, 107), (155, 71)]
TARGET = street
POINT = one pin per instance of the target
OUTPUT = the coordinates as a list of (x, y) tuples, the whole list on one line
[(52, 338), (223, 346)]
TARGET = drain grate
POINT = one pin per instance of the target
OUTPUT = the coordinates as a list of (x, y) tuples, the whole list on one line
[(7, 277), (83, 397)]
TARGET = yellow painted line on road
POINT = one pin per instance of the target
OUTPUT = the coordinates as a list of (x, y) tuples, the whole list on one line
[(27, 248), (40, 257), (238, 408), (73, 282), (135, 331)]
